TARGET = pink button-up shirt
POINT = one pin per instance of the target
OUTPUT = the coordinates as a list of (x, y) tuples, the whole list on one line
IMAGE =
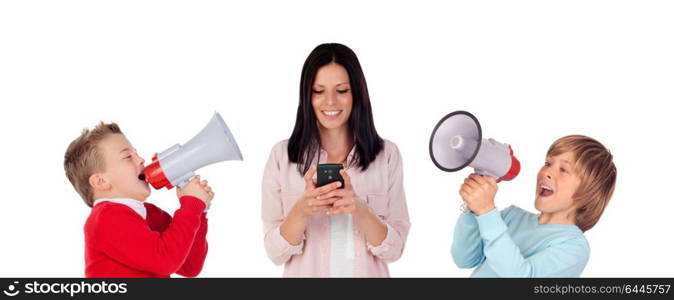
[(381, 186)]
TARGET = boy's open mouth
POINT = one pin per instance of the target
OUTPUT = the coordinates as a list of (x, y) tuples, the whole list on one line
[(545, 191), (141, 176)]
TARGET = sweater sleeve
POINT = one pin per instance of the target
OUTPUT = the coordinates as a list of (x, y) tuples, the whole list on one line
[(197, 256), (126, 237), (565, 258), (467, 243)]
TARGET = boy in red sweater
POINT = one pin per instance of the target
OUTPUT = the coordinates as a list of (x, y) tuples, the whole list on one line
[(124, 236)]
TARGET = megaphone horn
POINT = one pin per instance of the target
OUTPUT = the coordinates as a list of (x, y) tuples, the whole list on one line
[(176, 165), (456, 142)]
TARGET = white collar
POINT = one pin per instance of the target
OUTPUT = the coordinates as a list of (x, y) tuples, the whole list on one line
[(136, 205)]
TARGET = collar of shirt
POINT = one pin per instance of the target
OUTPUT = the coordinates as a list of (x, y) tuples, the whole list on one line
[(349, 158), (135, 205)]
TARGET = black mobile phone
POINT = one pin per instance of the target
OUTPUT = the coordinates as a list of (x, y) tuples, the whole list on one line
[(328, 173)]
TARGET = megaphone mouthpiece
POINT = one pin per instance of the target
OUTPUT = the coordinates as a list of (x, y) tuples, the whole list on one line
[(456, 142)]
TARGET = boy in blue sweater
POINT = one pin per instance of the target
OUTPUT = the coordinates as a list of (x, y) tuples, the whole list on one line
[(572, 190)]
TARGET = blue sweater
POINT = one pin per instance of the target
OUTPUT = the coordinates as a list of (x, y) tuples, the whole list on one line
[(513, 244)]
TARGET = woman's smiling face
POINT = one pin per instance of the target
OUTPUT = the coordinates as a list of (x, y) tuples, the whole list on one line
[(331, 96)]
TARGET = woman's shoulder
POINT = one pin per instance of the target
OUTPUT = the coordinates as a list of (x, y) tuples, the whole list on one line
[(388, 157), (281, 145), (389, 146), (280, 148), (279, 152), (390, 149)]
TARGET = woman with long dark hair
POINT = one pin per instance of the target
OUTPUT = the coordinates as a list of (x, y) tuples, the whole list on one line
[(334, 231)]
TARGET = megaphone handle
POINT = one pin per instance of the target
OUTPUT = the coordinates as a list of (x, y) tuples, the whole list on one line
[(482, 172), (184, 180), (464, 207)]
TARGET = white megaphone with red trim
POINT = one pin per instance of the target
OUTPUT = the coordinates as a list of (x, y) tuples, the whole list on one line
[(176, 165), (457, 142)]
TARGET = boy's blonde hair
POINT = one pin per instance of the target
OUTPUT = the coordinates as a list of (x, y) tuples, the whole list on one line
[(83, 158), (594, 166)]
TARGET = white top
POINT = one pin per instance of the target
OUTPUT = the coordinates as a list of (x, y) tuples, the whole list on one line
[(341, 246), (136, 205)]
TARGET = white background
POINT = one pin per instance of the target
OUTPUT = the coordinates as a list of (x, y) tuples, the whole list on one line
[(531, 71)]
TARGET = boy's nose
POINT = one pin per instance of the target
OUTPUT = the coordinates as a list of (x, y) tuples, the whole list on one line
[(141, 161)]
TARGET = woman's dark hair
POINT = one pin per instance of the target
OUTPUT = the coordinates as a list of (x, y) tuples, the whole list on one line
[(304, 142)]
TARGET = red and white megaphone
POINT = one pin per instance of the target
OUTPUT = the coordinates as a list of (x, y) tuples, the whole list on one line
[(176, 165), (457, 142)]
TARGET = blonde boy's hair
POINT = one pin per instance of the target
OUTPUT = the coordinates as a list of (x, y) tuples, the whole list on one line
[(594, 166), (83, 158)]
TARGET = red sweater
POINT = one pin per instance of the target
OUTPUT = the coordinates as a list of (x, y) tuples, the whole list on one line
[(120, 243)]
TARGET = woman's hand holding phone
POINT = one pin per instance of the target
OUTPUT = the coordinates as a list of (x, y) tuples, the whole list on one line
[(312, 202), (292, 228), (344, 201)]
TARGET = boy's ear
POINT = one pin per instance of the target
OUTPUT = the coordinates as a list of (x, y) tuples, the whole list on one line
[(99, 182)]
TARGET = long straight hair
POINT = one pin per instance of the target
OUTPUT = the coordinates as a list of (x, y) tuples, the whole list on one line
[(304, 142)]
